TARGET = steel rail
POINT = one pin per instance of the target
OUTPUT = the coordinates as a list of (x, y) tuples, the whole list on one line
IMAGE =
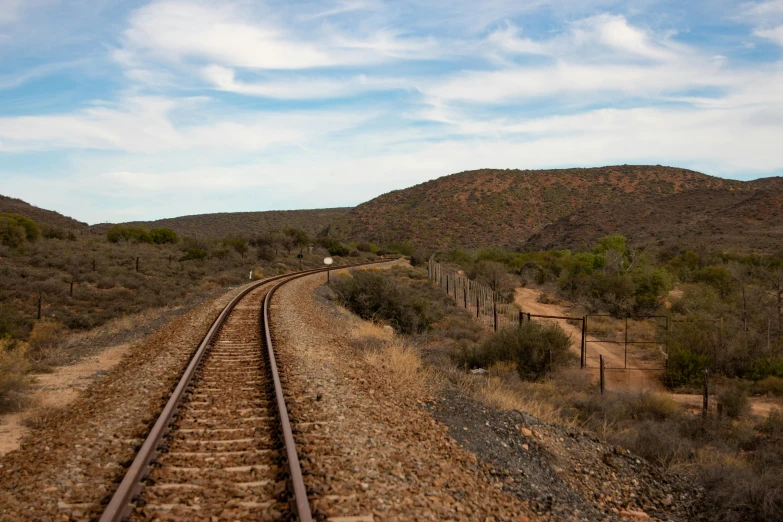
[(119, 506)]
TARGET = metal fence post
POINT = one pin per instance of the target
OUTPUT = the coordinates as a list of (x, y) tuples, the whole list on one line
[(40, 299), (601, 364), (478, 306), (71, 289), (465, 293)]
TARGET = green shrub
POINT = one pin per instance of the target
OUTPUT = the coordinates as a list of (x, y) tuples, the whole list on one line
[(194, 254), (133, 233), (374, 295), (16, 229), (338, 249), (528, 345), (162, 236), (685, 367), (767, 367)]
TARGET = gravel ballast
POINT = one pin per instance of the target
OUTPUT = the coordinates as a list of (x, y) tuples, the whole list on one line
[(369, 449)]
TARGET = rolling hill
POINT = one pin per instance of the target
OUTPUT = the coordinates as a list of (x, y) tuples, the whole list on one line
[(41, 216), (721, 219), (505, 207), (246, 224)]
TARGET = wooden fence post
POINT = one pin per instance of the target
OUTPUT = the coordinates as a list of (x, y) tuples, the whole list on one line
[(40, 299), (71, 288), (706, 403), (601, 363), (137, 264), (495, 312), (583, 350)]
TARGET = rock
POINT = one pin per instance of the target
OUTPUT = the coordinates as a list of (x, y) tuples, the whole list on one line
[(479, 371), (634, 514), (668, 500), (526, 432)]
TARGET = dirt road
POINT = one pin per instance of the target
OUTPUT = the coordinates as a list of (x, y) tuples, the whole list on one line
[(614, 357)]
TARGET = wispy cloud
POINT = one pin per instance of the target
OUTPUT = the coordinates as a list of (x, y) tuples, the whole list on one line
[(277, 104)]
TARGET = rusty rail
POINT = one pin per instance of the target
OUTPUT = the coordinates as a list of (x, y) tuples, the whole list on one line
[(119, 506)]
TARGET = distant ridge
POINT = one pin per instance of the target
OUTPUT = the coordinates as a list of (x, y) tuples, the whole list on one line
[(39, 215), (505, 207), (246, 224)]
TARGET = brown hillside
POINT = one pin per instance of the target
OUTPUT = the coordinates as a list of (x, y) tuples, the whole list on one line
[(721, 219), (39, 215), (246, 224), (505, 207)]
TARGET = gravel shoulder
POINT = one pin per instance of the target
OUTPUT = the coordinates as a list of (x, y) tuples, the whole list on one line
[(68, 467), (368, 445)]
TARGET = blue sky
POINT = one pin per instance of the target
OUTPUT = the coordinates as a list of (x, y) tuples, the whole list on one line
[(114, 110)]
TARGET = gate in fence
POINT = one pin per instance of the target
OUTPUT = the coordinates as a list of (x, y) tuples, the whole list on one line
[(637, 342)]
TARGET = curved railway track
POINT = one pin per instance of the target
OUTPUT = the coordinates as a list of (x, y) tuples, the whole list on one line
[(223, 444)]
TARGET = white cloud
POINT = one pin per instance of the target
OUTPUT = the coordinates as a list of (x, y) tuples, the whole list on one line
[(145, 125), (223, 79), (10, 11), (776, 34)]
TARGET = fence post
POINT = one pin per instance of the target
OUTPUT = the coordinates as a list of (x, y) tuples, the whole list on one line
[(584, 343), (465, 294), (93, 265), (601, 363), (706, 404), (71, 288), (495, 311), (478, 306), (137, 264), (625, 356), (521, 317), (40, 299)]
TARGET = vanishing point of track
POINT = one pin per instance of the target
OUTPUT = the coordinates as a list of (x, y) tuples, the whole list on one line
[(223, 444)]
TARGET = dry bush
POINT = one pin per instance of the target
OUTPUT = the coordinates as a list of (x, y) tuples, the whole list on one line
[(734, 398), (42, 417), (46, 345), (770, 386), (773, 424), (402, 365), (656, 441), (738, 492), (13, 370)]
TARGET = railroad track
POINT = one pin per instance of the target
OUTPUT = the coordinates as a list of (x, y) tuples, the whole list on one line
[(223, 445)]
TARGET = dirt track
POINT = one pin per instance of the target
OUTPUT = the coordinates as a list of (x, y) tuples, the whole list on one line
[(631, 380), (623, 380)]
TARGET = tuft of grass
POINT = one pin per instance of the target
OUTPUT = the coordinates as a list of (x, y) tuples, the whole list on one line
[(13, 370), (40, 418), (402, 365), (46, 345)]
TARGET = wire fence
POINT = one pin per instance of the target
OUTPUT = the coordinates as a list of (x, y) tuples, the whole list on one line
[(485, 303)]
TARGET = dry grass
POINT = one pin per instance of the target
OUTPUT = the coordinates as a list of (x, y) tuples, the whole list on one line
[(46, 346), (13, 370), (40, 418), (401, 364)]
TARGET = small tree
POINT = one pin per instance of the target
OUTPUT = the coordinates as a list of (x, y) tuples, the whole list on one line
[(162, 235), (137, 234), (16, 229)]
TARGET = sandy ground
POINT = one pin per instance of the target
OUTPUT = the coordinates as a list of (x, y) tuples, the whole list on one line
[(624, 380), (56, 390)]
